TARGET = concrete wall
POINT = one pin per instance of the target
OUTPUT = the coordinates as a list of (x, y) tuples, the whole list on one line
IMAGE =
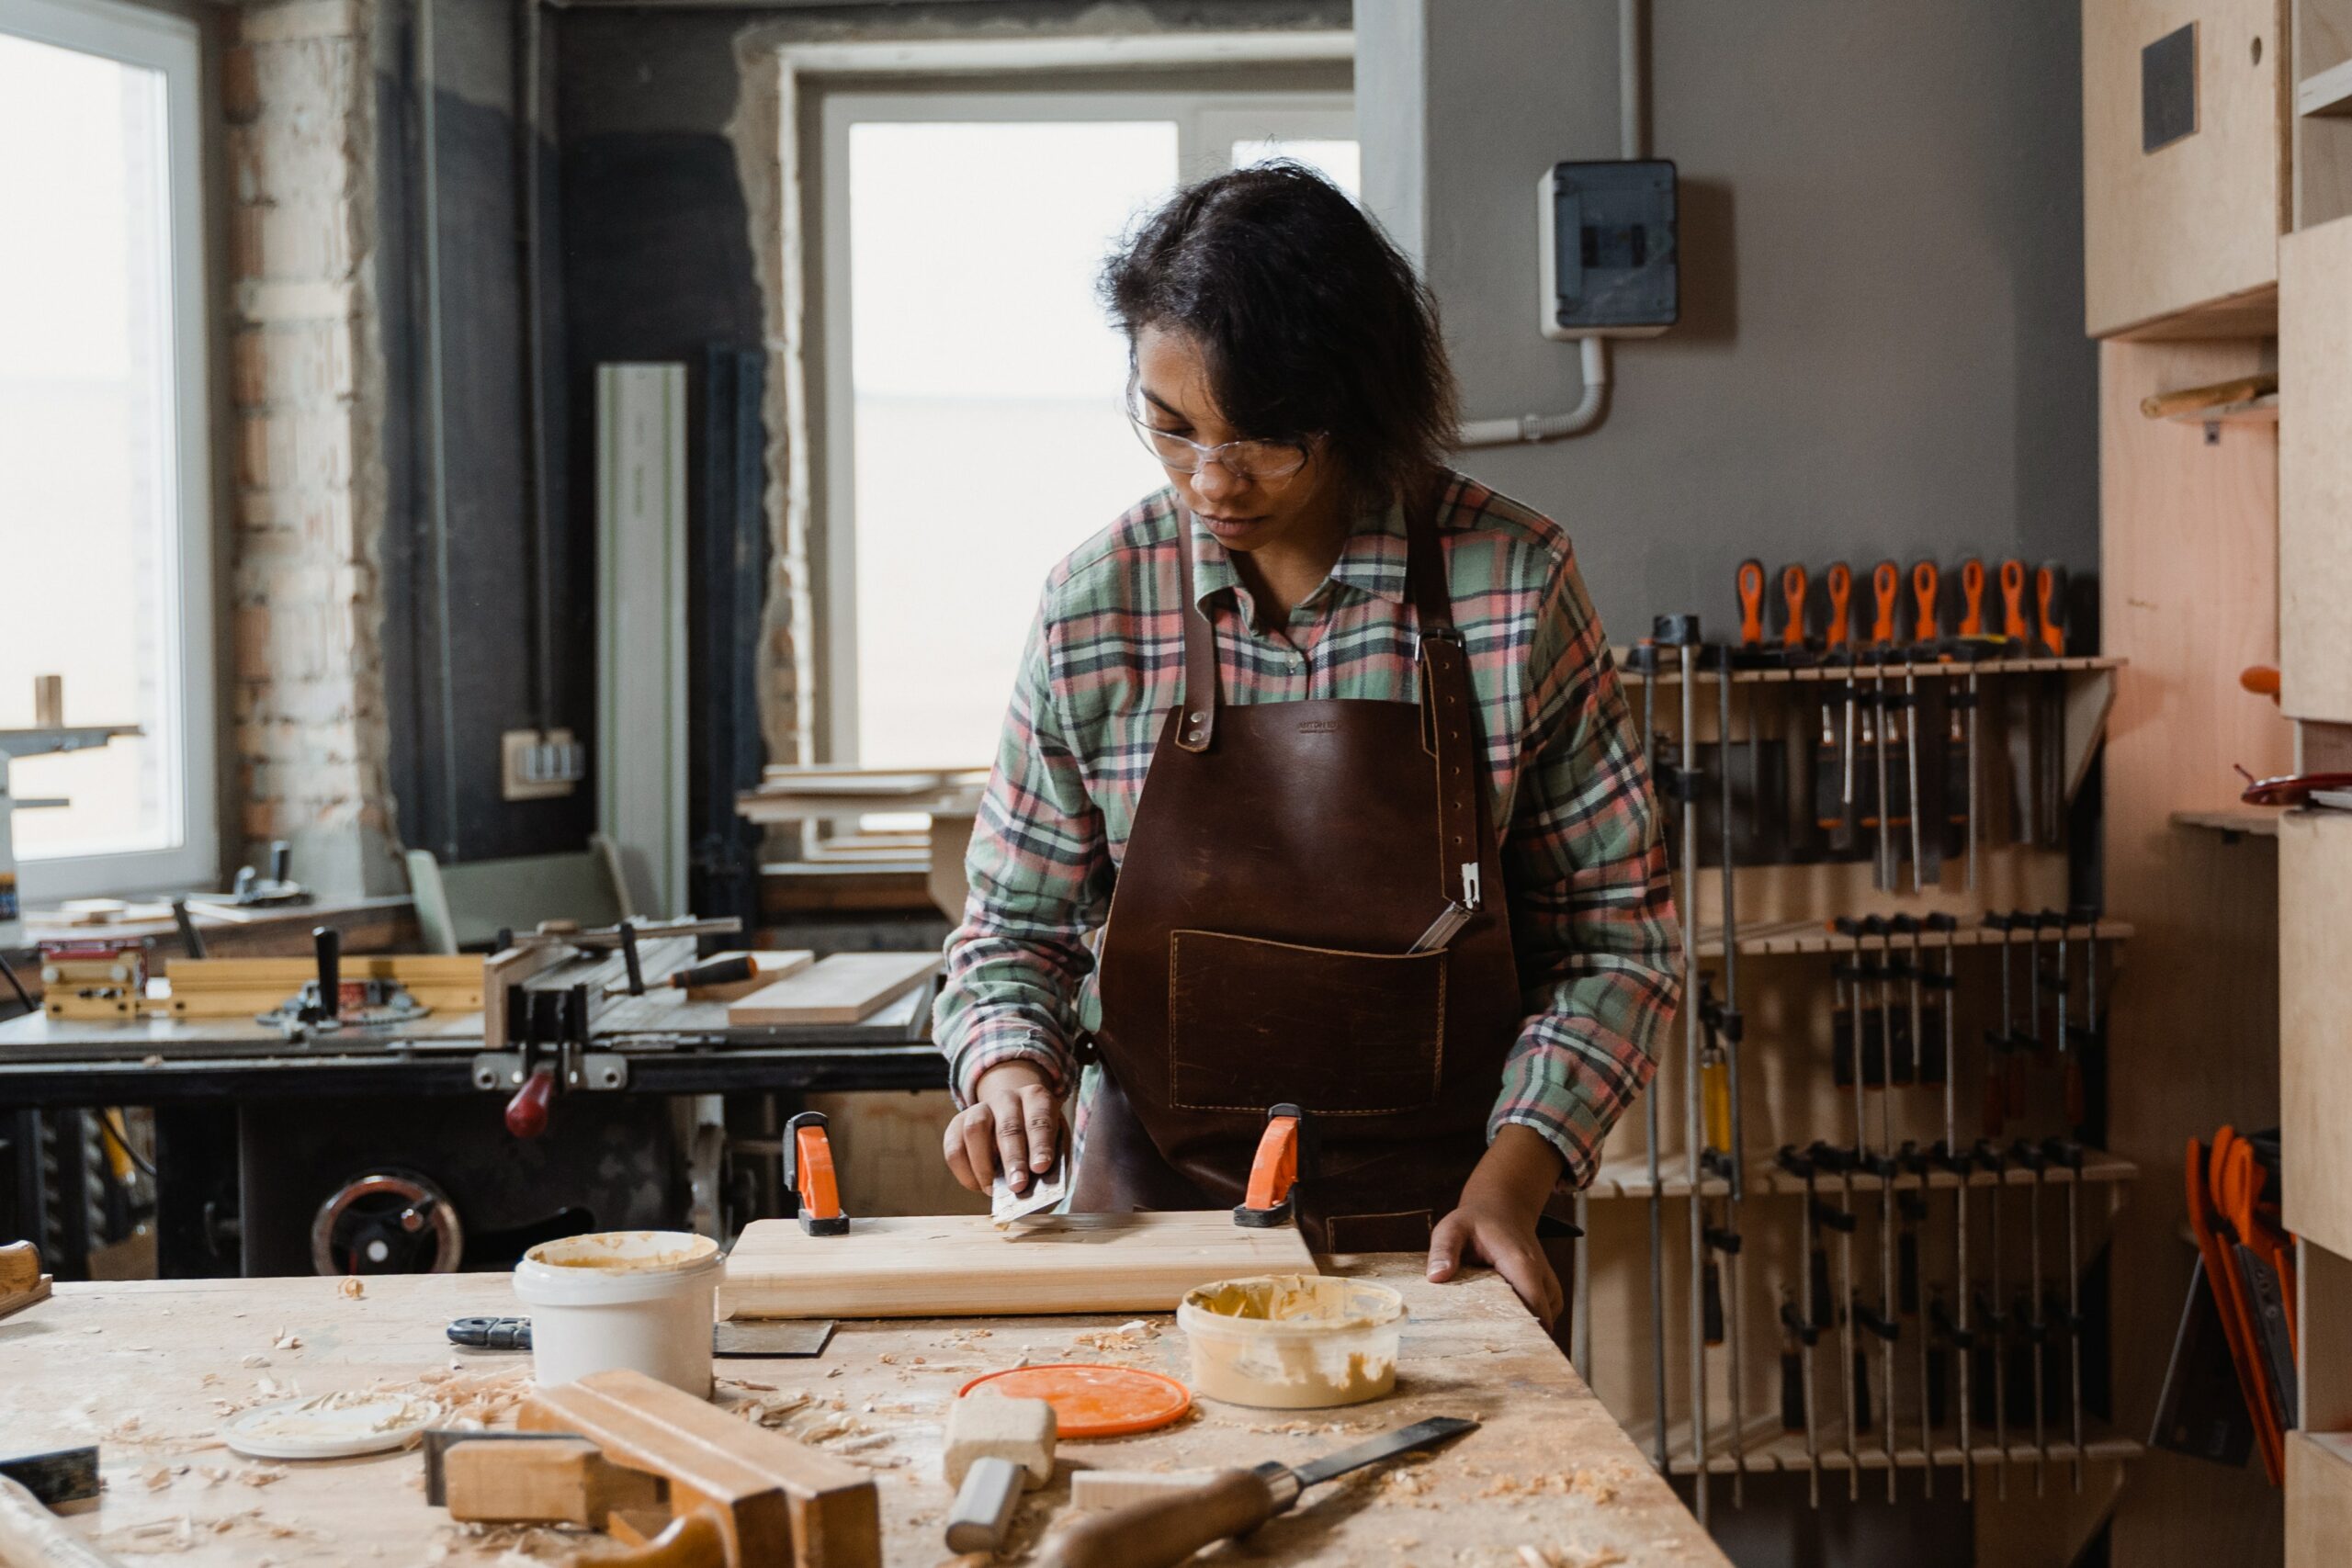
[(1881, 350)]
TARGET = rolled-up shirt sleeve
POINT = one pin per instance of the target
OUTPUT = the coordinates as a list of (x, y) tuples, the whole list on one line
[(1039, 871), (1592, 906)]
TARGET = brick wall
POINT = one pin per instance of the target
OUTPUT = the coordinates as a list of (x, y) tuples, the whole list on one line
[(308, 717)]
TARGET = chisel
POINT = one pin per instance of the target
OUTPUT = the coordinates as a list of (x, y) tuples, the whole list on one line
[(1924, 582), (1159, 1532)]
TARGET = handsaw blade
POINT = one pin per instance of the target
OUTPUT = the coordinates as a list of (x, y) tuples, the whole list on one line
[(1008, 1208), (1420, 1435)]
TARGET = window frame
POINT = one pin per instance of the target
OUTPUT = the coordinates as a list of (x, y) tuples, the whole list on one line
[(1208, 123), (171, 46)]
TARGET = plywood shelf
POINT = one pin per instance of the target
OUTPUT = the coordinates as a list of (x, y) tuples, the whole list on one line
[(1937, 669), (2244, 822), (1768, 1449), (2263, 409), (1780, 939), (2327, 91), (1629, 1178)]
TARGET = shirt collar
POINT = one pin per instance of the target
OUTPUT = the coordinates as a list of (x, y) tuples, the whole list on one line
[(1372, 561)]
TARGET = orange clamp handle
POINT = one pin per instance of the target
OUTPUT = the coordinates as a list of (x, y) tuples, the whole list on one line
[(1751, 604), (1276, 1169), (1971, 596), (1886, 585), (2045, 600), (1841, 599), (2013, 601), (1925, 581), (1793, 584), (820, 1197)]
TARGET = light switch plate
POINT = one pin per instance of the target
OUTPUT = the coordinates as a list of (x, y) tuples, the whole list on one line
[(535, 766)]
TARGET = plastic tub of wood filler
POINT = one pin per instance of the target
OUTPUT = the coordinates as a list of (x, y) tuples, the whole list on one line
[(1292, 1341), (639, 1299)]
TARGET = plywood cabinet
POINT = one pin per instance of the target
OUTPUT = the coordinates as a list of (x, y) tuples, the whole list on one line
[(2315, 472), (2314, 999), (2186, 117)]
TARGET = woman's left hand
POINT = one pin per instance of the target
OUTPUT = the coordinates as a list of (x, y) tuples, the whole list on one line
[(1496, 1221)]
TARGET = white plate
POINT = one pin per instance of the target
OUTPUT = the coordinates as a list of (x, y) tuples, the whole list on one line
[(331, 1426)]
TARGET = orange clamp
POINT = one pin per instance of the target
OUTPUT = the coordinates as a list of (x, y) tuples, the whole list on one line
[(1925, 581), (1793, 584), (1274, 1172), (1886, 586), (1972, 598), (1751, 604), (2013, 601), (2049, 590), (808, 1170), (1841, 598)]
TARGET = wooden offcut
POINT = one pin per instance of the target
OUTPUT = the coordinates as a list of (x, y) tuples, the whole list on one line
[(498, 1480), (843, 988), (776, 1501), (961, 1266)]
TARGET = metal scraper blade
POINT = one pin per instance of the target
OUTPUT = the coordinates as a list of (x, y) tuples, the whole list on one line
[(1008, 1208)]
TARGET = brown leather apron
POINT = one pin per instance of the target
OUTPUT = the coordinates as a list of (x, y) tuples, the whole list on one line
[(1285, 858)]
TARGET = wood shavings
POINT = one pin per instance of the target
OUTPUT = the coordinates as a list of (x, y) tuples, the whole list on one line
[(252, 1358), (155, 1478), (261, 1477), (350, 1289), (286, 1339), (1565, 1483)]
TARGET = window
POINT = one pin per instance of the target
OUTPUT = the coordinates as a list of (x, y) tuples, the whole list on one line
[(973, 433), (105, 554)]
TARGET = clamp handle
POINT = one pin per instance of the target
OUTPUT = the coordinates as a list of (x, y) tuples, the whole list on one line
[(1886, 588), (2013, 601), (1274, 1173), (1793, 584), (1972, 597), (1924, 582), (2050, 606), (1841, 601), (809, 1171), (1751, 604)]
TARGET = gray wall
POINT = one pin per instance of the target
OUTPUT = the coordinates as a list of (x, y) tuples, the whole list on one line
[(1881, 352)]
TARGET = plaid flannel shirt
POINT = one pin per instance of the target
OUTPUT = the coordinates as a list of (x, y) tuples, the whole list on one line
[(1583, 854)]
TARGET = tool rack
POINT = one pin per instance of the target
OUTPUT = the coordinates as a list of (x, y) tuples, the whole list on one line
[(1653, 1339)]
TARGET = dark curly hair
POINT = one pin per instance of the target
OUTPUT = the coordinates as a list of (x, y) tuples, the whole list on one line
[(1310, 319)]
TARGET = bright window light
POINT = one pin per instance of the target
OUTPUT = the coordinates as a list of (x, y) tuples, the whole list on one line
[(99, 352)]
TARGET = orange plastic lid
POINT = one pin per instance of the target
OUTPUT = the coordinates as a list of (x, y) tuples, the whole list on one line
[(1093, 1401)]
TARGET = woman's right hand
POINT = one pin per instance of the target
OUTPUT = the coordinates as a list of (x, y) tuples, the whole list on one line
[(1014, 1121)]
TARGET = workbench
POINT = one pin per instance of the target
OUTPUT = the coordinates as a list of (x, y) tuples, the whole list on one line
[(148, 1371)]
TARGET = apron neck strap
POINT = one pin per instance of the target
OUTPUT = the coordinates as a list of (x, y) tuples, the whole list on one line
[(1196, 720)]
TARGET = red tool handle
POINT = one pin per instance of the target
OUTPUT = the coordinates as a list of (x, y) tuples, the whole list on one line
[(527, 1113), (2046, 593), (1751, 604), (1972, 598), (1925, 581), (1841, 600), (2013, 601), (1886, 586), (1793, 584)]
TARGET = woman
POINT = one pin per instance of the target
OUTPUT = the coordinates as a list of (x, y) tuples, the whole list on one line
[(1263, 733)]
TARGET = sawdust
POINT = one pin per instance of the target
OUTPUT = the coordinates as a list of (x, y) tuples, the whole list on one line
[(1565, 1483)]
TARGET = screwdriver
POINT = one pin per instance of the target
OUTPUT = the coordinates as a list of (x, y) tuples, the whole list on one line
[(1794, 583), (1886, 587)]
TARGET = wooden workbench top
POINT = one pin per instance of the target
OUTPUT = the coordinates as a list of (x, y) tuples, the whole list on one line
[(148, 1371)]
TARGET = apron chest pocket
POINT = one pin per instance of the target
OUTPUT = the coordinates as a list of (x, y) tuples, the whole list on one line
[(1252, 1022)]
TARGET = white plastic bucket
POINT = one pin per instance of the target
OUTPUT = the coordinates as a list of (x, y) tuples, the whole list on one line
[(639, 1299)]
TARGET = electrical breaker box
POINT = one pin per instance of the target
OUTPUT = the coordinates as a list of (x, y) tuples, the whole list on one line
[(1609, 265)]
